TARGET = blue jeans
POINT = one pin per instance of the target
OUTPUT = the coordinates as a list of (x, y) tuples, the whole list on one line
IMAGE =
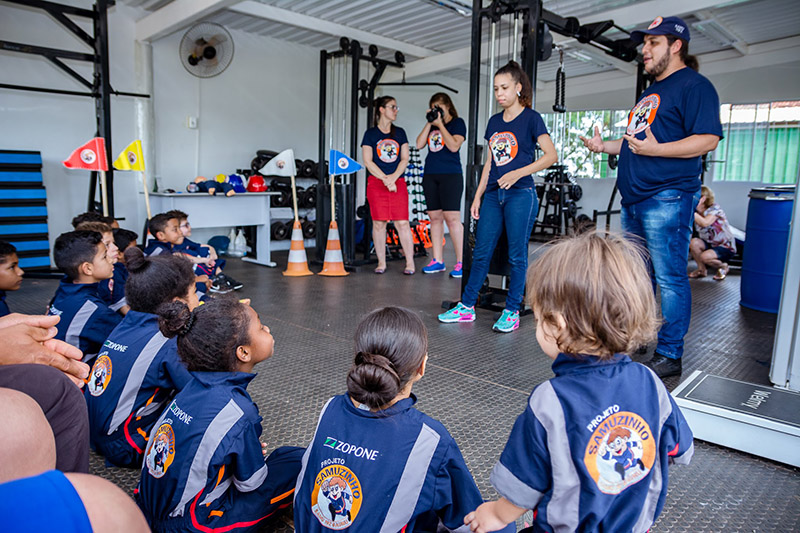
[(514, 209), (664, 223)]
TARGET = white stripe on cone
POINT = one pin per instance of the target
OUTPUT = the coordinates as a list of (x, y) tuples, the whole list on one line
[(297, 256), (333, 256)]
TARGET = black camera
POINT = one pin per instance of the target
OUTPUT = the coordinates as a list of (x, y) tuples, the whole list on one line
[(434, 113)]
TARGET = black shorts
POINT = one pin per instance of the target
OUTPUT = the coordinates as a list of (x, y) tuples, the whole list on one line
[(443, 191), (723, 254)]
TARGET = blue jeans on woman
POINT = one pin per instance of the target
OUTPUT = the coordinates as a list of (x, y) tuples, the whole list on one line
[(514, 209), (664, 223)]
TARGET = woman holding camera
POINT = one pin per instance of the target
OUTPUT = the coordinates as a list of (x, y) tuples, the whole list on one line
[(385, 152), (443, 181)]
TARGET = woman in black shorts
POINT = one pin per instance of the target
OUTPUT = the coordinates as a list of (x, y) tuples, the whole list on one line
[(443, 181)]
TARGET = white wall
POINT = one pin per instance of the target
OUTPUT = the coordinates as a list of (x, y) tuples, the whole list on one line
[(56, 124)]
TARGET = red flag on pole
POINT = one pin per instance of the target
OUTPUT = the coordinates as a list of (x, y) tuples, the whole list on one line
[(90, 156)]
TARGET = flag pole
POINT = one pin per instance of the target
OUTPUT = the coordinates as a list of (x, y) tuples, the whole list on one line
[(294, 200), (146, 196), (103, 192), (333, 202)]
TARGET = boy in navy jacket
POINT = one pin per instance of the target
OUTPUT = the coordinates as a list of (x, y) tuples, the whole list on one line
[(112, 291), (86, 320), (168, 239), (10, 273), (592, 448)]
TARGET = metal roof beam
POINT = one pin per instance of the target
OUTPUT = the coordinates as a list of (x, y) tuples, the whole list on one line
[(285, 16), (176, 16)]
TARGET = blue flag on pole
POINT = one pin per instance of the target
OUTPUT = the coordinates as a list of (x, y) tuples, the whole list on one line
[(341, 164)]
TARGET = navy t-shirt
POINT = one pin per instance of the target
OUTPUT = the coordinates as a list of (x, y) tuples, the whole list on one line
[(385, 147), (440, 160), (679, 106), (513, 145)]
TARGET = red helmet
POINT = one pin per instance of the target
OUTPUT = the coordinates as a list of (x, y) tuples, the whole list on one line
[(256, 184)]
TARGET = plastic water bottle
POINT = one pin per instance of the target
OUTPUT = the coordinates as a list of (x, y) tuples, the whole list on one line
[(240, 244), (232, 243)]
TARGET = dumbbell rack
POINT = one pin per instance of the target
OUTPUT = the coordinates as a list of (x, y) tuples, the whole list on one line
[(419, 209), (558, 209)]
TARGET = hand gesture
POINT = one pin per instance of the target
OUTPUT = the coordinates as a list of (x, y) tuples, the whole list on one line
[(507, 180), (484, 519), (29, 339), (595, 144), (648, 146)]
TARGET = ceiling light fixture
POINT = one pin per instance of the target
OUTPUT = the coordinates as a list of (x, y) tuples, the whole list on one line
[(716, 32)]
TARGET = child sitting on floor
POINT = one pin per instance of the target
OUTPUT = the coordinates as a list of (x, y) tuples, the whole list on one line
[(124, 239), (138, 372), (375, 462), (213, 265), (164, 227), (86, 319), (10, 273), (204, 465), (591, 450), (111, 290)]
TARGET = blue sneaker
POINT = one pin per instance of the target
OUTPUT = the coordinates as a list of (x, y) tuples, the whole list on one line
[(460, 313), (508, 322), (457, 271), (433, 267)]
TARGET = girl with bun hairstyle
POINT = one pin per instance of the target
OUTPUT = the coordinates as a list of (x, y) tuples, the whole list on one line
[(375, 462), (137, 371), (204, 466), (510, 200)]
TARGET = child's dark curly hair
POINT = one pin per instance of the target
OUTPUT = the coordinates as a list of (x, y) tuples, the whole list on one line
[(209, 335)]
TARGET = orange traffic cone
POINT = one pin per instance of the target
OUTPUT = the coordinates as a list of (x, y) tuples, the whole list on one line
[(334, 263), (298, 262)]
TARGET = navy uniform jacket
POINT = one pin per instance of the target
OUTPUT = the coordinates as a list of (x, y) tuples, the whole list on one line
[(112, 291), (86, 319), (203, 454), (155, 247), (591, 450), (3, 305), (382, 472), (136, 373)]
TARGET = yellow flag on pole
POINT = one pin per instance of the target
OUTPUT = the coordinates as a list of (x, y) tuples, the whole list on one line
[(131, 158)]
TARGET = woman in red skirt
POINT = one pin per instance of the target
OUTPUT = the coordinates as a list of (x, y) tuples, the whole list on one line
[(385, 152)]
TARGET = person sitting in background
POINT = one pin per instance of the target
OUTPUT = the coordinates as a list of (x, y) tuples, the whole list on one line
[(715, 245), (111, 290), (10, 273), (93, 216), (86, 319), (213, 265), (124, 239)]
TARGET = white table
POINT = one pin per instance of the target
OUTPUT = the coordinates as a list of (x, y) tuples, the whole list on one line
[(206, 211)]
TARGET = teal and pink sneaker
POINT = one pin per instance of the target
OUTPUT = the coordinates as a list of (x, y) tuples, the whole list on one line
[(508, 321), (460, 313)]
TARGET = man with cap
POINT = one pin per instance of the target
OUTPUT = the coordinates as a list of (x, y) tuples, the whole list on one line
[(675, 122)]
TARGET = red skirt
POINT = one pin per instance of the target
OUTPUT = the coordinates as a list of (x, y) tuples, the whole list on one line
[(385, 205)]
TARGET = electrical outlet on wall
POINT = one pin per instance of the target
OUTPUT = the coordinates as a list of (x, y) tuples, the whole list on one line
[(191, 122)]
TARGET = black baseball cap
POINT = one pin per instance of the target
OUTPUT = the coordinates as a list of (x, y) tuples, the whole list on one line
[(663, 26)]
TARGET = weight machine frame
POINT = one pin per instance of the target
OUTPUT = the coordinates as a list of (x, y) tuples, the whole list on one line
[(100, 88)]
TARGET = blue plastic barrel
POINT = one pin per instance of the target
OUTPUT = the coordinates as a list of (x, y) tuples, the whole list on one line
[(769, 215)]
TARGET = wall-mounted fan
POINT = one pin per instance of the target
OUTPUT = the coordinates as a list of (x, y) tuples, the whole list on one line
[(206, 49)]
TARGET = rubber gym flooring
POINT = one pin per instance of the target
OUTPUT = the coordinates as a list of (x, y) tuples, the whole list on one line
[(478, 381)]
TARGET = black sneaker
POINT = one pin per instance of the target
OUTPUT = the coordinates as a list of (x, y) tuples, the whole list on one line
[(232, 282), (664, 367), (220, 286)]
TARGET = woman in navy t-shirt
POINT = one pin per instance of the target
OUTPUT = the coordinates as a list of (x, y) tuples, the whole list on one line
[(385, 152), (443, 181), (510, 200)]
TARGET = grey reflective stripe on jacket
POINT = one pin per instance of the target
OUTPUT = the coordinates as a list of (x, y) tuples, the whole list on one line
[(134, 382), (215, 432), (408, 490), (79, 321), (119, 305), (304, 461)]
